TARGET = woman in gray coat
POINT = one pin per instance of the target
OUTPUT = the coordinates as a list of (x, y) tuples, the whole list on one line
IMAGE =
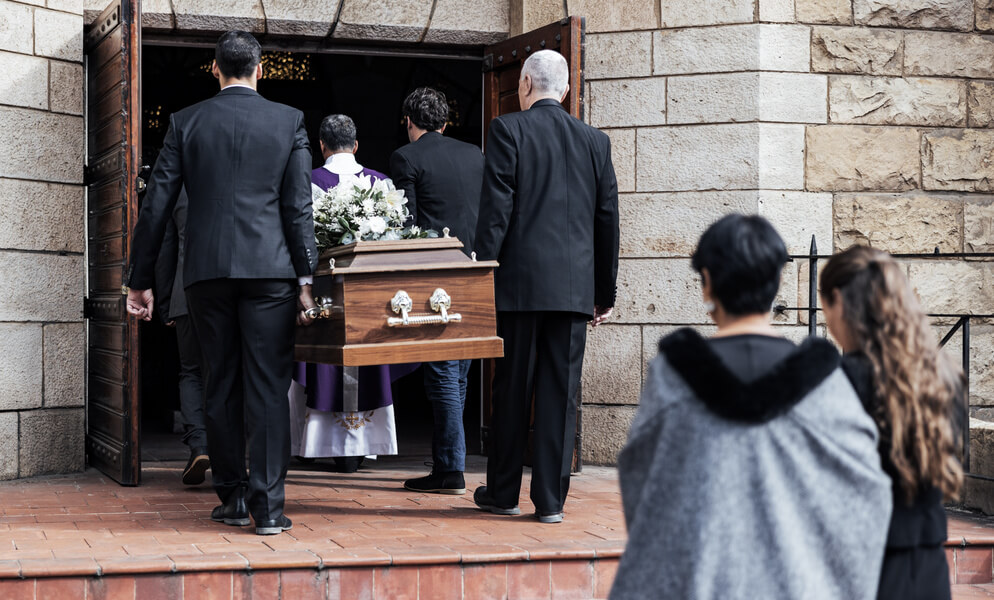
[(751, 469)]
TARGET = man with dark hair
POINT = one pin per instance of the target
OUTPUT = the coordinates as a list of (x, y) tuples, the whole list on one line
[(244, 163), (549, 214), (441, 178)]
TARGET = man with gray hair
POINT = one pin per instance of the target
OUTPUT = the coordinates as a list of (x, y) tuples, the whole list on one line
[(549, 214)]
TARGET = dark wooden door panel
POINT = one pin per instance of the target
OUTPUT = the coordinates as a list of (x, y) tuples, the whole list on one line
[(502, 64), (113, 110)]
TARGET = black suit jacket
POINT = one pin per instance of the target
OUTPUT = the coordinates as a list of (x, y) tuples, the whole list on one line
[(245, 163), (549, 212), (441, 178), (170, 296)]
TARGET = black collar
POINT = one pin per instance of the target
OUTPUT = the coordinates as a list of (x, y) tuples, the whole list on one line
[(237, 90), (768, 397), (548, 102)]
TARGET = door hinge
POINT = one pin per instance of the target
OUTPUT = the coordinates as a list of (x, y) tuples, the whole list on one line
[(488, 63), (87, 308)]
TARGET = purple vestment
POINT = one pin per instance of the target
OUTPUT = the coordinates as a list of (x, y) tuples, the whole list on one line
[(324, 382)]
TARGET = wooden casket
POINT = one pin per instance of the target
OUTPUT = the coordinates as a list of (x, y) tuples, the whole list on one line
[(403, 301)]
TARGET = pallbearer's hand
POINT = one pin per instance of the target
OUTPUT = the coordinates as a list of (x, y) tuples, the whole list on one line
[(304, 302), (140, 303), (601, 314)]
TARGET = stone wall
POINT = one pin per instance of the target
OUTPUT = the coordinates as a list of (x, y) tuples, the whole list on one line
[(41, 238)]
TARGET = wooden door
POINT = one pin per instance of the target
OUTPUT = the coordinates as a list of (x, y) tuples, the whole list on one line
[(113, 125), (501, 71)]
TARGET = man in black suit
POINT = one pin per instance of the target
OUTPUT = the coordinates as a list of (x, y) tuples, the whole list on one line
[(245, 163), (549, 214), (441, 179)]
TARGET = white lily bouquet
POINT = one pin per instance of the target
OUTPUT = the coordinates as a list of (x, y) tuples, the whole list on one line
[(359, 208)]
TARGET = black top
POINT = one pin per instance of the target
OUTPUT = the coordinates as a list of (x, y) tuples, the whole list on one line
[(441, 178), (923, 521), (246, 166), (170, 297), (549, 212), (750, 357)]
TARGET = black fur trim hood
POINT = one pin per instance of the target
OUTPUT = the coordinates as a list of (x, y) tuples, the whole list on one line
[(766, 398)]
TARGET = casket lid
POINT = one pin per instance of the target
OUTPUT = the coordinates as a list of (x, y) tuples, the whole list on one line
[(397, 256)]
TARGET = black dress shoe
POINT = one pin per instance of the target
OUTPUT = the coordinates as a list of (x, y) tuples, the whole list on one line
[(273, 526), (196, 467), (483, 499), (348, 464), (234, 512), (451, 482)]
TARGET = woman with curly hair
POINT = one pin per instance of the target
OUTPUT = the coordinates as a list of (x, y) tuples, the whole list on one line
[(911, 389)]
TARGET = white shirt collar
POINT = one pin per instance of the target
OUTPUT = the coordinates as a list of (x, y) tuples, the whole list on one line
[(343, 163), (237, 85)]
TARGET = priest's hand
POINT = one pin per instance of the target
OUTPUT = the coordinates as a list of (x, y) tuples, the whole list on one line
[(601, 314), (140, 303), (305, 302)]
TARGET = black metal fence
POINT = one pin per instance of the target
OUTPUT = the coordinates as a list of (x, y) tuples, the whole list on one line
[(961, 326)]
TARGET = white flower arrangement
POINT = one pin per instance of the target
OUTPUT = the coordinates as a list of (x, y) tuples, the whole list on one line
[(359, 208)]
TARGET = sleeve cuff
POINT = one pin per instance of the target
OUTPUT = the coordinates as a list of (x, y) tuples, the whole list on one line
[(306, 280)]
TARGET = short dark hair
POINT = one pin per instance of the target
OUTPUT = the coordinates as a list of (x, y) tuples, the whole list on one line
[(338, 132), (427, 108), (744, 256), (237, 53)]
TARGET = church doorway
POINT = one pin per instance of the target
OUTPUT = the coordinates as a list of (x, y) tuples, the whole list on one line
[(370, 88)]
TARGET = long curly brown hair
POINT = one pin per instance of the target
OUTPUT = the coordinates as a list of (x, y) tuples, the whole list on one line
[(917, 386)]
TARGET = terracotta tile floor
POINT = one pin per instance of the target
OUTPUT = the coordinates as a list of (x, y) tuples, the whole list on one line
[(91, 524)]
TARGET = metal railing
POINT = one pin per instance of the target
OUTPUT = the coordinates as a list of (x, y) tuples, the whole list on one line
[(962, 324)]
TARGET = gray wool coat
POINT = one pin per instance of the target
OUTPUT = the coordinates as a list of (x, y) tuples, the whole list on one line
[(759, 491)]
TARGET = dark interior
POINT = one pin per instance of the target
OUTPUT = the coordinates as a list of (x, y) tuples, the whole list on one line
[(371, 90)]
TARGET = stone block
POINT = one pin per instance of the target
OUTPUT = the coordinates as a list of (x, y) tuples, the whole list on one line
[(942, 54), (985, 15), (789, 290), (65, 373), (958, 159), (828, 12), (669, 225), (300, 17), (899, 223), (978, 493), (854, 158), (756, 47), (651, 334), (59, 35), (623, 157), (981, 363), (617, 15), (41, 146), (626, 54), (605, 431), (25, 81), (469, 22), (980, 100), (897, 101), (20, 366), (680, 13), (8, 445), (952, 286), (41, 216), (781, 156), (612, 364), (51, 441), (857, 50), (70, 6), (978, 224), (915, 14), (701, 157), (628, 102), (776, 11), (658, 290), (66, 87), (156, 15), (16, 28), (383, 20), (734, 97), (526, 15), (781, 209), (41, 287), (220, 15)]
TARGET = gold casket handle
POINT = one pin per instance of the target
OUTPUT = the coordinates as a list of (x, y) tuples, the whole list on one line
[(440, 302)]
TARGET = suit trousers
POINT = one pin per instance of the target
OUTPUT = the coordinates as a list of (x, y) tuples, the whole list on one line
[(191, 386), (246, 333), (543, 358)]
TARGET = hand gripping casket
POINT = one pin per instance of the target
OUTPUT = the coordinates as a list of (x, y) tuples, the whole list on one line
[(403, 301)]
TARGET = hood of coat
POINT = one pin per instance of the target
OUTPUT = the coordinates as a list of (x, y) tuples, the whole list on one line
[(758, 401)]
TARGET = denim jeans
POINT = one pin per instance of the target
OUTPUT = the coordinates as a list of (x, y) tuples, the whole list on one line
[(445, 386)]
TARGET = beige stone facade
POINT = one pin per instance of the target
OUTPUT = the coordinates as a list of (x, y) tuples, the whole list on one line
[(856, 121)]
